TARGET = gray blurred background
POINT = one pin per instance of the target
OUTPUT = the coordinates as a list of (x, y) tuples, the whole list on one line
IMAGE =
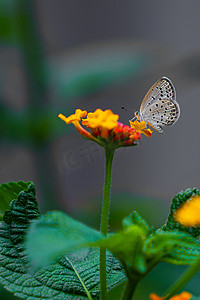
[(56, 56)]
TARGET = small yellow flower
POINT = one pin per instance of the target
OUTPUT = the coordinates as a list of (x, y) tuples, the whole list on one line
[(103, 120), (188, 214), (141, 127), (75, 117), (182, 296)]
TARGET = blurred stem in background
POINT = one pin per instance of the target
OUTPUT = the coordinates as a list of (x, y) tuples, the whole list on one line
[(36, 75), (129, 290), (183, 280)]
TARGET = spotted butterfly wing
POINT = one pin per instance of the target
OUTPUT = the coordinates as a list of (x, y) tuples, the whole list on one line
[(159, 107)]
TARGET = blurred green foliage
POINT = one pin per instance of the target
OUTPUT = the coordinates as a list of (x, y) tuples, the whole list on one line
[(7, 30), (82, 74), (47, 81)]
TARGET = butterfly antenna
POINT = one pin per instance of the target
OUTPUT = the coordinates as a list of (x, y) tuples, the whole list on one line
[(134, 112)]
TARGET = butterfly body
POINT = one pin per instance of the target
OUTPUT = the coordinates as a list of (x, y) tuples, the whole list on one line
[(159, 107)]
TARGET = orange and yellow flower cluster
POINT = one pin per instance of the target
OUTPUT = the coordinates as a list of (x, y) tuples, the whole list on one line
[(182, 296), (105, 127)]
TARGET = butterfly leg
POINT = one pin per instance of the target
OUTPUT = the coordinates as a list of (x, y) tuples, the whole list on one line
[(133, 118)]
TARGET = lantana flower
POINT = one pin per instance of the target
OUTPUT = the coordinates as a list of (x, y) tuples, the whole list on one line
[(104, 121), (75, 119), (188, 214), (141, 127), (182, 296), (105, 128)]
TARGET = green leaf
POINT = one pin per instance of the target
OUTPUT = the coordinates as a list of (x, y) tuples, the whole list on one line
[(139, 252), (8, 192), (177, 201), (127, 245), (172, 247), (135, 219), (75, 276), (183, 256), (69, 235)]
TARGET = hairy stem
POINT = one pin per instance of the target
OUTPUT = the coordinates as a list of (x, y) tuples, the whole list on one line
[(104, 219)]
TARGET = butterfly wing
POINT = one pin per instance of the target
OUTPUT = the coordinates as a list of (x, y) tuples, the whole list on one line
[(159, 107), (162, 89), (162, 113)]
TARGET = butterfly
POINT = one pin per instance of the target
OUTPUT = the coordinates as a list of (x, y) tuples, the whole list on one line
[(159, 107)]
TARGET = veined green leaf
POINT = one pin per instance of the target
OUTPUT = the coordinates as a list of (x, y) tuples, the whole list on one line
[(182, 256), (75, 276), (172, 247), (8, 192), (56, 234)]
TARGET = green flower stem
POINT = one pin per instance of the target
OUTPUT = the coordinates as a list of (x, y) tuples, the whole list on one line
[(181, 282), (129, 290), (106, 197), (103, 283), (104, 219)]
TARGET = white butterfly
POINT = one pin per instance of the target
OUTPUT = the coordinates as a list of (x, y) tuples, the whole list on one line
[(159, 107)]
